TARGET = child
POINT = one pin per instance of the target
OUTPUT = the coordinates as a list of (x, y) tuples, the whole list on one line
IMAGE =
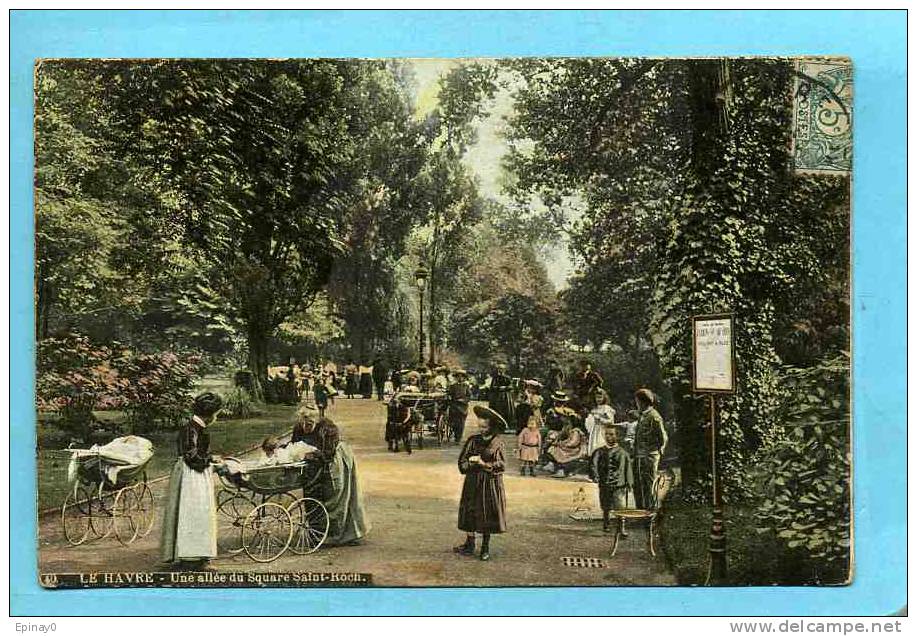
[(615, 475), (529, 446)]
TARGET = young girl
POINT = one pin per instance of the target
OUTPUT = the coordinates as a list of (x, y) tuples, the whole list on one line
[(529, 446)]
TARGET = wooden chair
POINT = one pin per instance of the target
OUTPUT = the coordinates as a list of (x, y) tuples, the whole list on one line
[(661, 488)]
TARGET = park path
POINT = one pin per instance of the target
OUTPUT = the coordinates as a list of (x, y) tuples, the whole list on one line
[(411, 502)]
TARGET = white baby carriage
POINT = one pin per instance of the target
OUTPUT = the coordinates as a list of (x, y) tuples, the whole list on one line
[(110, 493), (275, 507)]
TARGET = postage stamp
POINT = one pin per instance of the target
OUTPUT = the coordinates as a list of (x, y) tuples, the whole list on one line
[(822, 115)]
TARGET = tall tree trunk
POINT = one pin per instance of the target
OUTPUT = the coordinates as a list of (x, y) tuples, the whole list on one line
[(257, 337)]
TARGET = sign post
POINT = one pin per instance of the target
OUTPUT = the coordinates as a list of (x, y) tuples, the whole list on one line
[(713, 374)]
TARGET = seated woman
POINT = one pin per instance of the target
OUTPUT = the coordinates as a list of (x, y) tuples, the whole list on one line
[(565, 447), (340, 485)]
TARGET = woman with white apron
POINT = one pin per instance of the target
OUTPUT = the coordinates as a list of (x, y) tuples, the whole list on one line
[(189, 529)]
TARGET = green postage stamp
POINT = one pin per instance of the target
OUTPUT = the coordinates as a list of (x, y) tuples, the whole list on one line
[(822, 115)]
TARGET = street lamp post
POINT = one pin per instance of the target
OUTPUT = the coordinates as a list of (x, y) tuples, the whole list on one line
[(420, 277)]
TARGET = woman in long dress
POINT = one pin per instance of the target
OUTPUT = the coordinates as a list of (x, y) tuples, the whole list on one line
[(189, 529), (341, 492), (501, 395), (482, 509)]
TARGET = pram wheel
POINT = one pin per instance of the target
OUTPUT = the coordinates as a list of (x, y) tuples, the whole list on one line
[(75, 515), (234, 505), (310, 525), (266, 532), (146, 510), (100, 513), (125, 506)]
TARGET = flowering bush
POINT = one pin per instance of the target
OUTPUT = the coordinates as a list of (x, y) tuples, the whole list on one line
[(77, 377), (160, 387)]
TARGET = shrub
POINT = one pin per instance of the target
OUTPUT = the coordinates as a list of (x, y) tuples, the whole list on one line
[(804, 480), (239, 404), (160, 388), (76, 377)]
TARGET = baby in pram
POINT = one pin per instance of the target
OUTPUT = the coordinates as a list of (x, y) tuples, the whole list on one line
[(273, 454)]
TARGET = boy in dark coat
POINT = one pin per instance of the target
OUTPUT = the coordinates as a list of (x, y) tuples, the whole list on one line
[(614, 473)]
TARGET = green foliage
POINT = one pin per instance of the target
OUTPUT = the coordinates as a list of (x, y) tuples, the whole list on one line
[(690, 207), (804, 480), (160, 390), (239, 404)]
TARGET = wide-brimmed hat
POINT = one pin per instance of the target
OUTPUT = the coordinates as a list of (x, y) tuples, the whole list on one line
[(460, 372), (496, 420), (534, 384), (442, 369), (560, 396), (412, 375)]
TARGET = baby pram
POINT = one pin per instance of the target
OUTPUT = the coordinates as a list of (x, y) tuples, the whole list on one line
[(275, 508), (110, 493)]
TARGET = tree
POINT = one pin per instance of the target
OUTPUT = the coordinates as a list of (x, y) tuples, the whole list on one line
[(268, 160), (104, 235), (690, 208)]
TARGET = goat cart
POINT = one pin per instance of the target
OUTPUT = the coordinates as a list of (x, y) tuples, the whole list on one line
[(110, 494), (275, 508), (428, 412)]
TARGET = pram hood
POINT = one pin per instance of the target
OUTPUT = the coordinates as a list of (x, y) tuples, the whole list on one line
[(123, 452)]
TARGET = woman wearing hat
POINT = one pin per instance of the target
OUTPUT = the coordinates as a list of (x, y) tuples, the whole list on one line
[(189, 529), (482, 508)]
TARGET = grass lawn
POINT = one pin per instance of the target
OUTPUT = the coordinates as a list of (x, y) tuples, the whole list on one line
[(752, 558), (226, 437)]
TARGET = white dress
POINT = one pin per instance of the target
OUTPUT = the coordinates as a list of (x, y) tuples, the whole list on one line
[(598, 418)]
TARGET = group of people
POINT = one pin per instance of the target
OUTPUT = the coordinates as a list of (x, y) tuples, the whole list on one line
[(189, 534), (554, 430)]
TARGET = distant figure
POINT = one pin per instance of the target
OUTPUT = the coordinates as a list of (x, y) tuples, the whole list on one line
[(366, 382), (529, 446), (459, 396), (380, 373), (530, 406), (501, 394), (564, 447), (351, 380), (585, 385), (440, 380)]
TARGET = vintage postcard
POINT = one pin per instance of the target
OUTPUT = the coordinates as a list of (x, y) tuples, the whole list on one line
[(443, 322)]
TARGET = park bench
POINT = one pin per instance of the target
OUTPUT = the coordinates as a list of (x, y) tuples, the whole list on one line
[(661, 489)]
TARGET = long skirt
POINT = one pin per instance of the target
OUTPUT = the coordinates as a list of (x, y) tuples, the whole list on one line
[(344, 499), (366, 385), (189, 528), (501, 401), (483, 504)]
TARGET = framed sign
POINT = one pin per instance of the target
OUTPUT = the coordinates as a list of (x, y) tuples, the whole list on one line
[(714, 353)]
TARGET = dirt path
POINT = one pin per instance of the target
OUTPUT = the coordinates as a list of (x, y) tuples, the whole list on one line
[(412, 503)]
